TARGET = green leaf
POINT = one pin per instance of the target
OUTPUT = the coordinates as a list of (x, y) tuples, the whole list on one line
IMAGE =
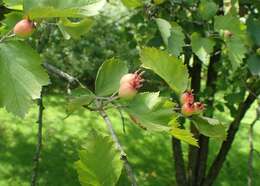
[(75, 29), (80, 97), (253, 63), (151, 111), (132, 3), (165, 29), (202, 47), (207, 9), (158, 2), (210, 127), (253, 27), (236, 51), (60, 8), (108, 77), (231, 6), (14, 4), (11, 19), (230, 23), (21, 77), (170, 68), (176, 40), (182, 134), (99, 163), (172, 36)]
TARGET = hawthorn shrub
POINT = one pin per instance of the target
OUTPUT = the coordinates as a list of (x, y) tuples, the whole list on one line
[(190, 51)]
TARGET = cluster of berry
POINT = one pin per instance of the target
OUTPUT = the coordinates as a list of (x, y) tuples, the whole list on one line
[(189, 107)]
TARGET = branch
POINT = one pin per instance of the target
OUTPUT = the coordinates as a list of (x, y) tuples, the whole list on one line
[(57, 72), (128, 168), (179, 163), (226, 145), (36, 157), (251, 148), (193, 151), (204, 140)]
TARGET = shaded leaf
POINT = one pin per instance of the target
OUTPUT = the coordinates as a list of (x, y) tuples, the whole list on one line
[(170, 68), (207, 9), (210, 127), (253, 63), (99, 163), (21, 77), (80, 97), (172, 36), (108, 77), (202, 47), (176, 40), (165, 29), (236, 51), (253, 27)]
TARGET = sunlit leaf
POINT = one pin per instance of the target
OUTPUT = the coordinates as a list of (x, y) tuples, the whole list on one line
[(108, 77), (60, 8), (170, 68), (75, 29), (210, 127), (99, 163), (150, 111), (132, 3), (21, 77)]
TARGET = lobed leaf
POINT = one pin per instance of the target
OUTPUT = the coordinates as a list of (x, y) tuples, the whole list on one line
[(210, 127), (21, 77), (170, 68), (99, 163)]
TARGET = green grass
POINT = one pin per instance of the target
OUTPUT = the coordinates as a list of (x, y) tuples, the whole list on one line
[(149, 154)]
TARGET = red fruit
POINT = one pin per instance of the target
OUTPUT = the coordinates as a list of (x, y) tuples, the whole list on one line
[(198, 107), (187, 97), (24, 28), (127, 78), (129, 84), (187, 109), (127, 91)]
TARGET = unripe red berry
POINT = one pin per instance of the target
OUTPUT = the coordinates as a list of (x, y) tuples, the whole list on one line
[(187, 97), (187, 109), (24, 28), (129, 84)]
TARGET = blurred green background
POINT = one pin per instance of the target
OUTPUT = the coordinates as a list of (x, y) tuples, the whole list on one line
[(149, 154), (117, 32)]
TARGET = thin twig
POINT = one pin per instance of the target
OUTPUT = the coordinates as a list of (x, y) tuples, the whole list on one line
[(108, 122), (36, 157), (54, 70), (251, 148), (7, 35)]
